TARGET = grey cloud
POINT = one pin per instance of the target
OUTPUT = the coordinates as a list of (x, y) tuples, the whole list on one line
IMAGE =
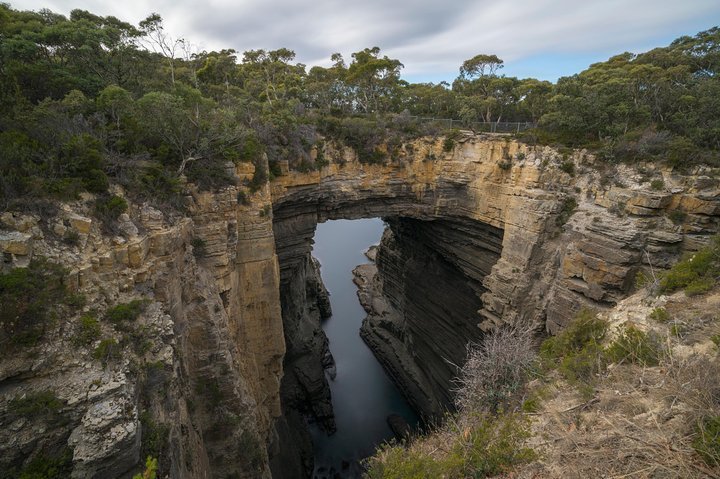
[(428, 36)]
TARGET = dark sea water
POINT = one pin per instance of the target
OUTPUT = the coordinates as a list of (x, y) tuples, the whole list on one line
[(362, 394)]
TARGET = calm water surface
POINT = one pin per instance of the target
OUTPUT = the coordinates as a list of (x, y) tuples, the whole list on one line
[(362, 394)]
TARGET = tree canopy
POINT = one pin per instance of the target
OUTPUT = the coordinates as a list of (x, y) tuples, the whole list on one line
[(86, 100)]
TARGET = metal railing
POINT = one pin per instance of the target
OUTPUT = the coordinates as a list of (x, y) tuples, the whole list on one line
[(480, 126)]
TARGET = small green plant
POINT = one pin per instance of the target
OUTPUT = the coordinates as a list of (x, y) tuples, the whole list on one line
[(71, 237), (657, 184), (126, 312), (635, 346), (109, 208), (576, 351), (87, 330), (150, 472), (568, 167), (39, 404), (520, 156), (242, 198), (199, 246), (566, 210), (448, 145), (715, 338), (660, 315), (265, 211), (707, 440), (154, 435), (505, 165), (107, 351), (678, 217), (48, 467)]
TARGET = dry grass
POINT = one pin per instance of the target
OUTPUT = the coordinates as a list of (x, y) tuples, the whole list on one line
[(642, 421)]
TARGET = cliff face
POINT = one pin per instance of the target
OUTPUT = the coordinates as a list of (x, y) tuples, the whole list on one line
[(490, 233), (197, 378), (493, 232)]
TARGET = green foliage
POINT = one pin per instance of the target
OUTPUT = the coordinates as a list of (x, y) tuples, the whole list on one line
[(707, 440), (154, 435), (696, 273), (109, 208), (32, 299), (677, 216), (40, 404), (151, 467), (107, 351), (568, 167), (715, 338), (660, 315), (488, 446), (448, 144), (576, 351), (87, 330), (199, 246), (126, 312), (48, 467), (635, 346), (566, 210), (657, 184)]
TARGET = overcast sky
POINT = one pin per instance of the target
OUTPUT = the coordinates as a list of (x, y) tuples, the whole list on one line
[(539, 38)]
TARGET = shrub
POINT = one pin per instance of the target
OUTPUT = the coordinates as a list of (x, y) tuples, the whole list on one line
[(32, 299), (107, 351), (677, 216), (109, 208), (87, 330), (576, 350), (715, 338), (154, 435), (568, 167), (40, 404), (505, 165), (486, 446), (660, 315), (566, 210), (495, 371), (657, 184), (199, 246), (707, 441), (696, 273), (126, 312), (48, 467), (150, 472), (242, 198), (448, 145), (635, 346)]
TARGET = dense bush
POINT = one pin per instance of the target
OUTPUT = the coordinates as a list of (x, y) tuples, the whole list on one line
[(486, 446), (33, 299), (696, 273), (126, 312), (636, 346), (576, 351)]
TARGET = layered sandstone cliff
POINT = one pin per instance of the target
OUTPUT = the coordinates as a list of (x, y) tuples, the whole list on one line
[(490, 232)]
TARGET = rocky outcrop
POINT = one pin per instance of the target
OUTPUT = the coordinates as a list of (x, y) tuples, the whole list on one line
[(490, 233), (529, 234), (196, 379)]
